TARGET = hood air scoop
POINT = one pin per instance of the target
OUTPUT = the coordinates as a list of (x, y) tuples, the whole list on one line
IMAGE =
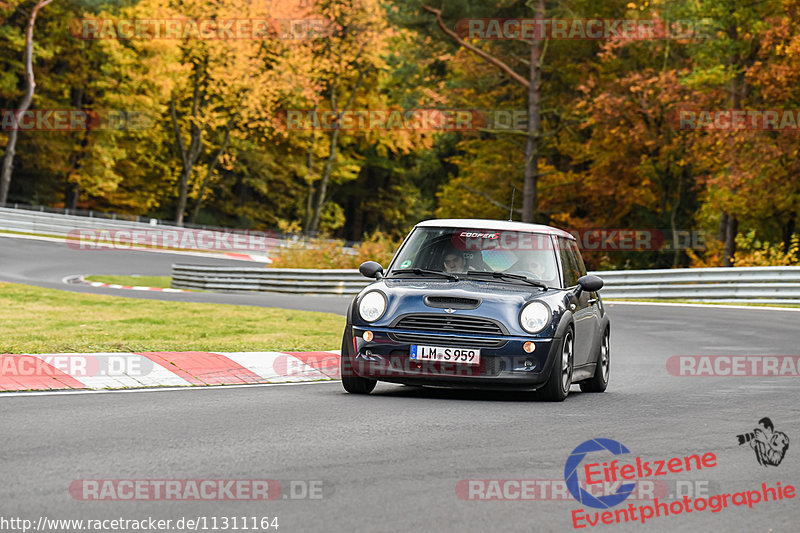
[(450, 302)]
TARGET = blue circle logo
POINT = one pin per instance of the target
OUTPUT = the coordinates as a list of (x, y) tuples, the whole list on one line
[(571, 475)]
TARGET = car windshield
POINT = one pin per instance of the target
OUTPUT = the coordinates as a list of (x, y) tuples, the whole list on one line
[(459, 251)]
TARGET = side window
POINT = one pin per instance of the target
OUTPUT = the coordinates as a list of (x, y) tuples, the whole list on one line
[(568, 265), (576, 252)]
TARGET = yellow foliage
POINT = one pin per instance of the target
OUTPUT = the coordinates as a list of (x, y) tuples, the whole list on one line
[(753, 252), (326, 253), (709, 258)]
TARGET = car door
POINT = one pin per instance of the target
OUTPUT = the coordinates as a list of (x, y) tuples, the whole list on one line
[(593, 302), (583, 311)]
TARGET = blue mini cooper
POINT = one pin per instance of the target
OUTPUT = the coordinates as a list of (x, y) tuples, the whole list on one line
[(479, 304)]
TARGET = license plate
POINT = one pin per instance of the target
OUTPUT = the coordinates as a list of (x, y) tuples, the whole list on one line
[(467, 356)]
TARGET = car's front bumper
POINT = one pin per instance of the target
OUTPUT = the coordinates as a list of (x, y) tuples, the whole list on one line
[(503, 361)]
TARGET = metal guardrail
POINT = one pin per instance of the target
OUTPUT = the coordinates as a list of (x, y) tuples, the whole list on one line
[(83, 232), (22, 215), (19, 214), (25, 221), (742, 284), (751, 284), (56, 223), (287, 280)]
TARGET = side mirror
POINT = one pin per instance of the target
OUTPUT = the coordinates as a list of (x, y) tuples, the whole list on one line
[(589, 284), (371, 269)]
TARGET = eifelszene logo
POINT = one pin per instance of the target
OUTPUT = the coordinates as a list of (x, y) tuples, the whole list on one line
[(613, 474), (770, 445), (571, 474)]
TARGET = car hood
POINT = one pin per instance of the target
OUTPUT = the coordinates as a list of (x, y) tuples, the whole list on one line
[(500, 301)]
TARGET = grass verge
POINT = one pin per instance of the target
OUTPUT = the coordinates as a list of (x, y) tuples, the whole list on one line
[(141, 281), (37, 320)]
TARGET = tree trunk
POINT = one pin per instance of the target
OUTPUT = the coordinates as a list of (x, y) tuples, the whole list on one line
[(730, 240), (309, 210), (722, 232), (186, 165), (787, 231), (211, 167), (322, 190), (188, 159), (529, 194), (310, 181), (731, 224), (321, 194), (72, 191), (533, 85), (673, 223), (30, 85), (189, 156)]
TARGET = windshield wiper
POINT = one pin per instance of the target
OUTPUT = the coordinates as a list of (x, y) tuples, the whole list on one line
[(425, 272), (505, 275)]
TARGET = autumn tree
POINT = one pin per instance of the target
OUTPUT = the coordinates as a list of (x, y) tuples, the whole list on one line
[(30, 84), (721, 62)]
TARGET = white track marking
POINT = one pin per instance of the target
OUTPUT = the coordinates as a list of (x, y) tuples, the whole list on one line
[(277, 367), (113, 370), (706, 306), (161, 389)]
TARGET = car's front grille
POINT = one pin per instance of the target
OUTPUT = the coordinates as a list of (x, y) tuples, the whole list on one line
[(441, 340), (450, 324)]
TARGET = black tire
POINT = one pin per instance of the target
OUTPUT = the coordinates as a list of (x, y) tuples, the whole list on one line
[(557, 387), (352, 383), (599, 381)]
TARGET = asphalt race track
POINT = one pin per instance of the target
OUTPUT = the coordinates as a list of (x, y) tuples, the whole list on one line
[(46, 263), (392, 461)]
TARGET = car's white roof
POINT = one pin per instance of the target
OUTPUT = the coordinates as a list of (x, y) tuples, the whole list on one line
[(492, 225)]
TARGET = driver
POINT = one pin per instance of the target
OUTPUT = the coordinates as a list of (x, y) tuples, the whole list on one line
[(454, 262)]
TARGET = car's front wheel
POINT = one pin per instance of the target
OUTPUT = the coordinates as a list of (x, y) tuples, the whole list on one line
[(352, 383), (599, 381), (557, 387)]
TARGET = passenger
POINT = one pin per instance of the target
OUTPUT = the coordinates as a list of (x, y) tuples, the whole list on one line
[(535, 267), (529, 264)]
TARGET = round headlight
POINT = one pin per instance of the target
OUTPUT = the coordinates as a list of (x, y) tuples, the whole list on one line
[(372, 306), (534, 317)]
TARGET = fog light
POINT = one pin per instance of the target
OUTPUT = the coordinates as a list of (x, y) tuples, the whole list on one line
[(367, 336), (528, 363), (529, 347)]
